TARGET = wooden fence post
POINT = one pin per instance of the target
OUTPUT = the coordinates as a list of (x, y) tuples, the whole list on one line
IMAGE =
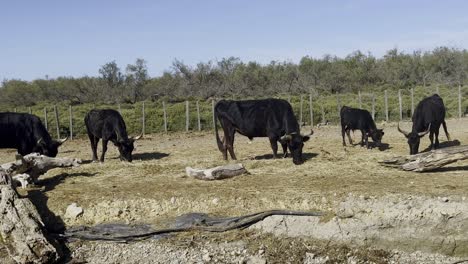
[(198, 116), (57, 121), (165, 116), (459, 102), (300, 111), (386, 106), (187, 119), (359, 99), (323, 114), (213, 112), (16, 110), (373, 106), (29, 110), (400, 104), (338, 103), (437, 89), (45, 118), (412, 101), (289, 98), (71, 122), (143, 119), (311, 112)]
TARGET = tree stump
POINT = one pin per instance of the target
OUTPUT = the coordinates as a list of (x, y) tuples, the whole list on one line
[(21, 228), (428, 161), (216, 173)]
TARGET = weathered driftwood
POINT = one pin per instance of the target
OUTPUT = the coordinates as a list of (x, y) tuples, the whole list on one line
[(216, 173), (21, 228), (35, 165), (428, 161)]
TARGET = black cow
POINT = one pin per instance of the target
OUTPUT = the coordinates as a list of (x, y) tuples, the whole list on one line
[(108, 124), (272, 118), (359, 119), (27, 134), (428, 116)]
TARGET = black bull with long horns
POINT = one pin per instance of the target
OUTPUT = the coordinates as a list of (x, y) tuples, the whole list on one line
[(272, 118), (427, 118), (27, 134)]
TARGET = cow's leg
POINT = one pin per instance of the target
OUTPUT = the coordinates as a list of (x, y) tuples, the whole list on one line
[(431, 138), (230, 144), (94, 141), (274, 147), (366, 138), (285, 149), (104, 149), (436, 139), (342, 134), (348, 133)]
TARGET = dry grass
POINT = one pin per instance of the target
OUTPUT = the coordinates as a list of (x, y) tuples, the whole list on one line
[(154, 186)]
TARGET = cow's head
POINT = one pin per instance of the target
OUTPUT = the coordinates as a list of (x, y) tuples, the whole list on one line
[(376, 135), (295, 143), (126, 148), (414, 138), (48, 149)]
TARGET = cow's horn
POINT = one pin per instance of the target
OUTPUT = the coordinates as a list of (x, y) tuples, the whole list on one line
[(425, 132), (137, 137), (286, 137), (61, 141), (402, 131), (40, 141)]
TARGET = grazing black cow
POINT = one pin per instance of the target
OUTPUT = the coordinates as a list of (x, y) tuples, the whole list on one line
[(27, 134), (359, 119), (428, 116), (108, 124), (272, 118)]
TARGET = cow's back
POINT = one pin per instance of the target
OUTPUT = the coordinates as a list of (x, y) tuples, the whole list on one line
[(257, 118), (354, 118), (106, 123), (429, 110), (21, 129)]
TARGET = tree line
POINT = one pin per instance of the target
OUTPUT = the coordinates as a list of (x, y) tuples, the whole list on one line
[(233, 78)]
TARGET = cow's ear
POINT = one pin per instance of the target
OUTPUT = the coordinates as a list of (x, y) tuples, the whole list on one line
[(305, 138)]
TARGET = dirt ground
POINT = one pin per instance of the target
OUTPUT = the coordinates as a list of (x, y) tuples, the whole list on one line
[(154, 189)]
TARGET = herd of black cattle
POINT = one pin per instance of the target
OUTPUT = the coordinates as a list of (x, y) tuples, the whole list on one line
[(272, 118)]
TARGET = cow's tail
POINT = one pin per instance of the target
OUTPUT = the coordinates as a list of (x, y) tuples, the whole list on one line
[(218, 139), (445, 129)]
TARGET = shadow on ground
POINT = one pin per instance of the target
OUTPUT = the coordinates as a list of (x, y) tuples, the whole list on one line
[(445, 144), (149, 156)]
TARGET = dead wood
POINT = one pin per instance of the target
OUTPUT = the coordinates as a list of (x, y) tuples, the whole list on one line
[(216, 173), (21, 228), (428, 161)]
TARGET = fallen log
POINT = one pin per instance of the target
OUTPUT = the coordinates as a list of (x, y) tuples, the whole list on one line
[(428, 161), (216, 173), (22, 231), (34, 165)]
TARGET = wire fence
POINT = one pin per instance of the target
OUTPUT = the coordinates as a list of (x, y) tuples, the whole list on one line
[(198, 115)]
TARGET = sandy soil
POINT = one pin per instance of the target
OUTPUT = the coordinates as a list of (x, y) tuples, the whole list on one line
[(154, 189)]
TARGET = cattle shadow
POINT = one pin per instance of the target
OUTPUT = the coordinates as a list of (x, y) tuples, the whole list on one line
[(149, 156), (50, 183), (305, 156), (445, 144), (373, 145)]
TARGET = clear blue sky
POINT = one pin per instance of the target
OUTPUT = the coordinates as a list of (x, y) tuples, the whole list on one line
[(74, 38)]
